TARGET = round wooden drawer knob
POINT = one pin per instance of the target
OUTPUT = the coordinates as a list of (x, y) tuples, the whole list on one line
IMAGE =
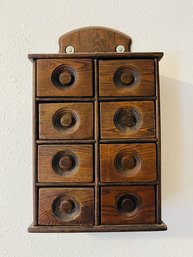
[(127, 163), (126, 77), (63, 77), (128, 204), (65, 163), (66, 121), (127, 119), (66, 208)]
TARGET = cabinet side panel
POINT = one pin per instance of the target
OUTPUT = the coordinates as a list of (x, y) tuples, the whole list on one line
[(34, 137), (158, 135)]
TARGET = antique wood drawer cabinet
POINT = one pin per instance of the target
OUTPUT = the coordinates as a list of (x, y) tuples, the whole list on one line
[(96, 136)]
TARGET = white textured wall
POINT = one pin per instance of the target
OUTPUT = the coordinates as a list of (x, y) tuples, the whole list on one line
[(34, 27)]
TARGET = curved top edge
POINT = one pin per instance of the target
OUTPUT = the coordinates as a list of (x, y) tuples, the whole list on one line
[(97, 28), (94, 39)]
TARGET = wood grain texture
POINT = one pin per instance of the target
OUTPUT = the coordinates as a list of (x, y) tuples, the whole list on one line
[(144, 127), (82, 125), (101, 228), (158, 134), (126, 78), (99, 55), (51, 169), (94, 39), (96, 136), (64, 99), (83, 196), (34, 147), (109, 199), (127, 162), (96, 156), (51, 72)]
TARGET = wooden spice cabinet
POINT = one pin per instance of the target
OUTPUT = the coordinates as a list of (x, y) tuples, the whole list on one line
[(97, 153)]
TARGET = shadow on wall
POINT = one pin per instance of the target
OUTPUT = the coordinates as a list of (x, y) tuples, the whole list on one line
[(177, 161), (175, 98), (172, 135)]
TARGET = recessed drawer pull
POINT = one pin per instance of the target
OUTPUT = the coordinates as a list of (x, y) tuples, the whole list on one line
[(126, 78), (66, 121), (127, 119), (64, 78), (65, 163), (66, 206), (132, 162), (127, 205)]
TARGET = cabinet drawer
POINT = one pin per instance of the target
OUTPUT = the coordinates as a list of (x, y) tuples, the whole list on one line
[(127, 205), (126, 78), (56, 77), (127, 119), (66, 121), (65, 163), (66, 206), (127, 162)]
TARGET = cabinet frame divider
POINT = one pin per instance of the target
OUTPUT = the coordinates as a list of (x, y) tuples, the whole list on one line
[(158, 135)]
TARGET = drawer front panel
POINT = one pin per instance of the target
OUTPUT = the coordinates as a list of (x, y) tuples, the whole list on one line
[(127, 162), (127, 205), (65, 163), (66, 121), (126, 78), (56, 77), (66, 206), (127, 119)]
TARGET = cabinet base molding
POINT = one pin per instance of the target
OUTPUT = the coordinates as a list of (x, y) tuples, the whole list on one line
[(100, 228)]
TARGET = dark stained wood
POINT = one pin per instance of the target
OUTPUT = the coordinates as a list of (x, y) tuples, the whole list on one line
[(65, 141), (100, 228), (62, 169), (34, 148), (65, 184), (127, 140), (118, 210), (126, 98), (126, 78), (97, 128), (94, 39), (81, 126), (128, 183), (64, 77), (97, 154), (127, 162), (66, 206), (111, 113), (90, 99), (83, 184), (64, 99), (99, 55), (158, 134)]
